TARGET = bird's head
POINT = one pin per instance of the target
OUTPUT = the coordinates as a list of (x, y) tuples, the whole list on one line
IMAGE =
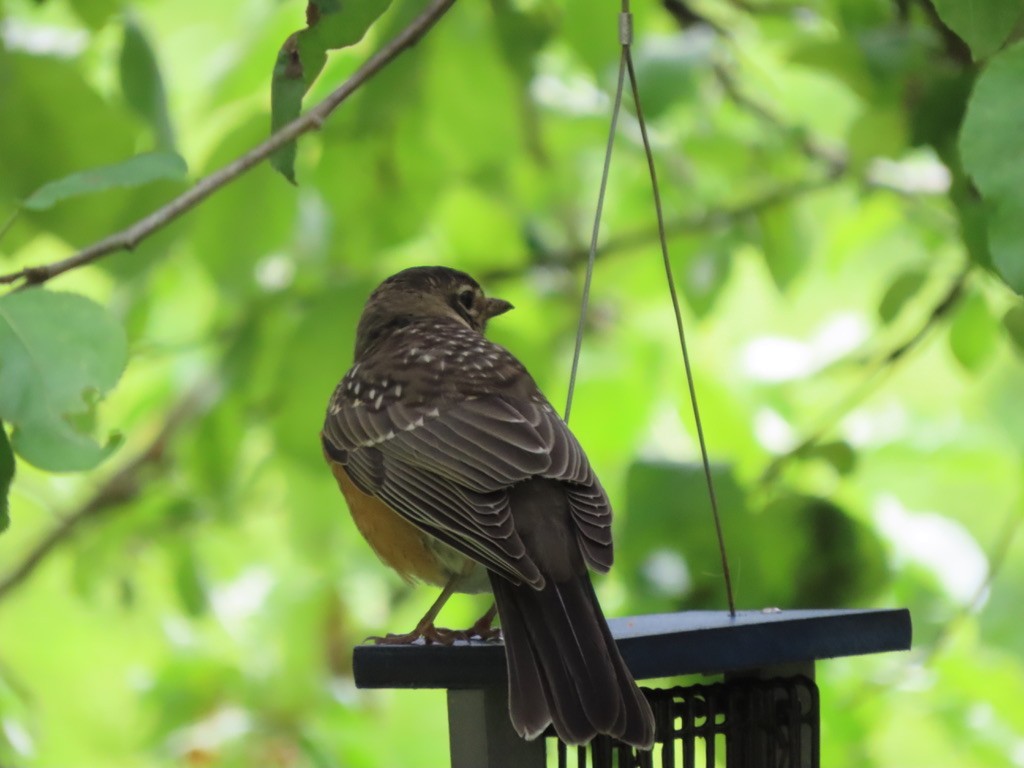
[(437, 292)]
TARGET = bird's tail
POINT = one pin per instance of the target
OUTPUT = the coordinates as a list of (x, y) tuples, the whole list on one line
[(564, 667)]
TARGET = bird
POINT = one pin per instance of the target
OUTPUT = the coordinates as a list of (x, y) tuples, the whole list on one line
[(459, 473)]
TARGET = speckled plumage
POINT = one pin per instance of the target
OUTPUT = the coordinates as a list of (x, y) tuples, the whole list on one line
[(451, 433)]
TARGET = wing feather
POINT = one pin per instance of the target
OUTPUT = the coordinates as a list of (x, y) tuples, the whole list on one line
[(448, 469)]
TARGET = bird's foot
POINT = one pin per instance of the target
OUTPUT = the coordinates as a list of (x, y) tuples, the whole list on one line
[(486, 634), (482, 629), (430, 635)]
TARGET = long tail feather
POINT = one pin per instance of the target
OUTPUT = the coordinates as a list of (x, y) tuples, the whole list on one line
[(564, 667)]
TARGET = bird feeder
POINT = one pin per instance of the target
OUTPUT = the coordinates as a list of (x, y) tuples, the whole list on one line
[(758, 709)]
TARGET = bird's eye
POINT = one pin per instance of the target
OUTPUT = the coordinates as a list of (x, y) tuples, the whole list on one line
[(466, 297)]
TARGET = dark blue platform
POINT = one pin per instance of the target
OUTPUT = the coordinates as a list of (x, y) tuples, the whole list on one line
[(658, 645)]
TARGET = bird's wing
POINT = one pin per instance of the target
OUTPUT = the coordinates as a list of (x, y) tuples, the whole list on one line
[(448, 468)]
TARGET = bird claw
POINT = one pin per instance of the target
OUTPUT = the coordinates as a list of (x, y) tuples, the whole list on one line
[(432, 635), (482, 630), (429, 634)]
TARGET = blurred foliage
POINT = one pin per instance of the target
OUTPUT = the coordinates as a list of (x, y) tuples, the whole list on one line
[(844, 190)]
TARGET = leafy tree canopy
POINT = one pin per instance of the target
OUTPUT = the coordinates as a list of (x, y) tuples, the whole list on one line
[(844, 191)]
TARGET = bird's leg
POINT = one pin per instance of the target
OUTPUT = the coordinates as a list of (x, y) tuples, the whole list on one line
[(425, 627), (482, 628)]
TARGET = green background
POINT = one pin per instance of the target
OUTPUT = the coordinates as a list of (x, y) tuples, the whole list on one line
[(844, 187)]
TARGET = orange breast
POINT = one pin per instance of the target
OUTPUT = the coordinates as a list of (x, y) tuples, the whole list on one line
[(397, 542)]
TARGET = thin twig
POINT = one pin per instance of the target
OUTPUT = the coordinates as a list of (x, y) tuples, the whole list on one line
[(129, 238), (808, 144), (8, 223), (123, 486), (714, 218), (884, 364)]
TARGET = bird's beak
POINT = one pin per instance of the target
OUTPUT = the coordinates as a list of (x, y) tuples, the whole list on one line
[(497, 307)]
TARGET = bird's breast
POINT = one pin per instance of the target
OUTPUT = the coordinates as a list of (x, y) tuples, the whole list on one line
[(414, 554)]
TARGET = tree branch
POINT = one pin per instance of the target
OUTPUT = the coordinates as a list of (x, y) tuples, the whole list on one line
[(120, 488), (714, 218), (883, 364), (129, 238), (810, 146)]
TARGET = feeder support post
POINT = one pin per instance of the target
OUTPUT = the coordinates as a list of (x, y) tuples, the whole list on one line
[(480, 734)]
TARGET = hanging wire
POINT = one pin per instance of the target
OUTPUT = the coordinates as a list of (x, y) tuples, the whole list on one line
[(626, 67), (592, 253), (663, 241)]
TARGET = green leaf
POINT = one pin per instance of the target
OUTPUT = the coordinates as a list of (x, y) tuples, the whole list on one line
[(939, 111), (842, 58), (668, 70), (1013, 323), (1006, 241), (983, 24), (839, 454), (798, 551), (784, 243), (134, 172), (668, 511), (59, 354), (878, 132), (189, 579), (973, 216), (842, 562), (142, 84), (905, 287), (522, 34), (6, 476), (334, 24), (287, 87), (331, 24), (705, 274), (38, 143), (972, 334), (992, 140), (95, 13), (992, 148), (591, 35)]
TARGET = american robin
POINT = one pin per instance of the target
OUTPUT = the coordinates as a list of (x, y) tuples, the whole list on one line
[(458, 472)]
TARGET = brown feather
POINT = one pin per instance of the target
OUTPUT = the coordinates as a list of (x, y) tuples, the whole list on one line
[(451, 433)]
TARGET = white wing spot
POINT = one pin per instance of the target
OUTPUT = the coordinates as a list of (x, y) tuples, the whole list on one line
[(378, 401), (383, 438)]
